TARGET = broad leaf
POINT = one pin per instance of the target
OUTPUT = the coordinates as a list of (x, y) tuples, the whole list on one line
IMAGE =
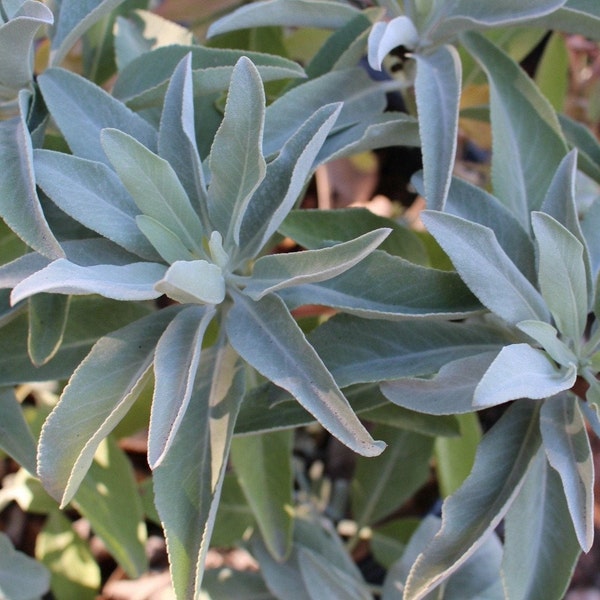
[(476, 508), (103, 389), (486, 269), (264, 471), (528, 142), (437, 92), (175, 367), (568, 450), (187, 484), (47, 321), (521, 371), (121, 282), (562, 274), (81, 110), (276, 272), (15, 436), (541, 548), (236, 162), (267, 337)]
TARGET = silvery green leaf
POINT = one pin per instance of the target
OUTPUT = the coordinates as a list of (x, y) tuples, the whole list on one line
[(142, 31), (75, 17), (164, 241), (195, 281), (547, 336), (581, 17), (278, 271), (263, 467), (47, 322), (528, 142), (361, 96), (224, 584), (19, 203), (109, 380), (486, 269), (154, 186), (355, 350), (562, 274), (16, 46), (284, 181), (81, 110), (195, 465), (437, 92), (176, 361), (588, 148), (477, 507), (15, 436), (449, 392), (236, 162), (296, 13), (568, 450), (384, 37), (472, 203), (372, 289), (21, 577), (120, 282), (521, 371), (76, 184), (177, 137), (267, 337), (541, 548)]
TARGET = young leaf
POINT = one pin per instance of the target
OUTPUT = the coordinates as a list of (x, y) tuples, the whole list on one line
[(121, 282), (547, 337), (264, 471), (486, 269), (540, 547), (384, 37), (154, 186), (267, 337), (168, 245), (236, 162), (476, 508), (437, 92), (187, 484), (101, 391), (520, 371), (175, 366), (568, 450), (195, 281), (562, 274), (15, 436), (47, 322), (81, 110), (275, 272)]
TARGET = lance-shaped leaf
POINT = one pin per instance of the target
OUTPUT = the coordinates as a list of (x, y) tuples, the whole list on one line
[(520, 371), (355, 350), (528, 142), (47, 322), (568, 450), (76, 185), (168, 245), (541, 548), (15, 436), (177, 137), (236, 162), (577, 16), (97, 397), (389, 287), (437, 92), (588, 147), (486, 269), (81, 110), (154, 186), (175, 367), (187, 484), (291, 13), (476, 508), (547, 336), (267, 337), (276, 272), (120, 282), (449, 392), (562, 274), (195, 281), (16, 45), (19, 204), (285, 178), (264, 471)]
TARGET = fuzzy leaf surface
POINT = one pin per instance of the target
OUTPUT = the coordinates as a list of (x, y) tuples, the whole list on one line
[(16, 438), (47, 321)]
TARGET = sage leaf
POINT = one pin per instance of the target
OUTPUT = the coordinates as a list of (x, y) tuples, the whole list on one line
[(400, 31), (16, 438), (195, 281), (547, 336), (47, 322)]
